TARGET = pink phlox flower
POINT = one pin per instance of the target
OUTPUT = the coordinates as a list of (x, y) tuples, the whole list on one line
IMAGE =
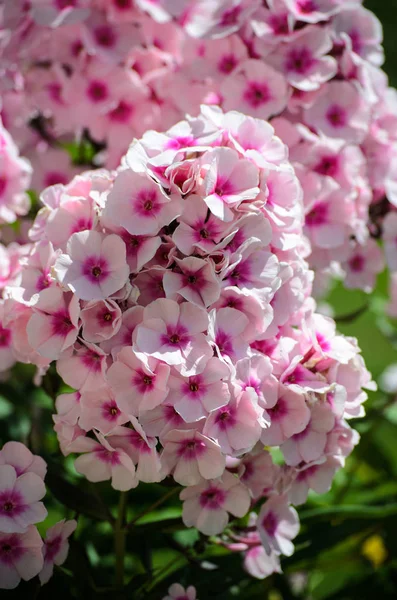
[(190, 457), (173, 333), (309, 444), (101, 461), (19, 500), (99, 410), (278, 524), (197, 229), (255, 89), (256, 372), (228, 180), (304, 60), (20, 557), (141, 448), (101, 320), (85, 368), (316, 476), (139, 204), (257, 471), (289, 416), (227, 331), (195, 396), (21, 458), (54, 324), (177, 592), (238, 425), (140, 383), (94, 266), (195, 280), (206, 505), (56, 547), (36, 275)]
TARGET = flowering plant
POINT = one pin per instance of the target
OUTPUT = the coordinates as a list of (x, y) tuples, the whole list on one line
[(159, 299)]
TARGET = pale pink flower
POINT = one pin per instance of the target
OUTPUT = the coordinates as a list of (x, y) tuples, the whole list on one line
[(317, 477), (85, 368), (99, 410), (195, 280), (100, 461), (54, 324), (20, 557), (139, 204), (206, 506), (340, 112), (227, 330), (195, 396), (21, 458), (141, 448), (19, 500), (195, 230), (255, 89), (309, 444), (289, 416), (190, 457), (228, 180), (177, 592), (363, 266), (238, 425), (139, 383), (56, 547), (174, 334), (278, 524), (303, 60), (101, 320), (95, 265)]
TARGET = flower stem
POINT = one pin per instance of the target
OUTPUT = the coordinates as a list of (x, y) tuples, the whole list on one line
[(153, 506), (119, 540)]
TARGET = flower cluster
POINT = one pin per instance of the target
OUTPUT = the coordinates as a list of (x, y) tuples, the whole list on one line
[(15, 174), (175, 298), (107, 71), (23, 555)]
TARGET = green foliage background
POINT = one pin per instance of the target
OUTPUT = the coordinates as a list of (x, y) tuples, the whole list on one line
[(347, 547)]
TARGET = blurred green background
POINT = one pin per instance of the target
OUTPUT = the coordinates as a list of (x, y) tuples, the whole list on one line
[(347, 547)]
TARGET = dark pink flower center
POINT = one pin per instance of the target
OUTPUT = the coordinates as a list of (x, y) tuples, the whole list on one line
[(212, 498), (5, 337), (95, 269), (299, 60), (97, 91), (3, 185), (279, 410), (122, 4), (105, 36), (122, 113), (11, 503), (10, 549), (191, 449), (328, 165), (356, 263), (306, 6), (110, 410), (224, 342), (269, 523), (61, 323), (107, 456), (336, 116), (54, 177), (317, 215), (257, 94), (52, 547), (227, 63), (230, 17), (279, 24), (225, 418)]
